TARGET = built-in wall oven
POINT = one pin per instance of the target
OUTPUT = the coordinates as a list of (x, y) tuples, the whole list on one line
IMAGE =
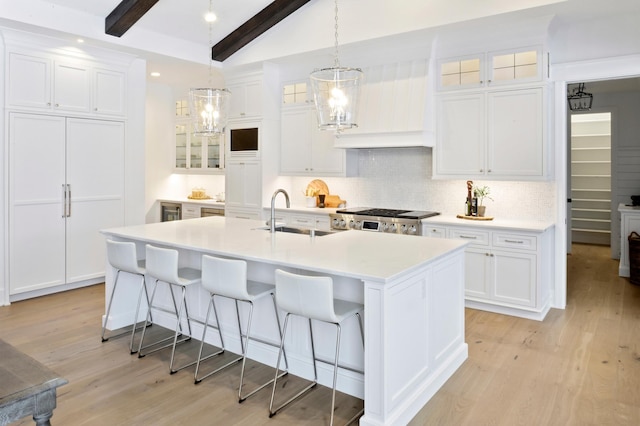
[(170, 211)]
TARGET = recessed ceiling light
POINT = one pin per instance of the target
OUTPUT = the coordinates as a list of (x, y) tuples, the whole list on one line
[(80, 40), (155, 74), (210, 17)]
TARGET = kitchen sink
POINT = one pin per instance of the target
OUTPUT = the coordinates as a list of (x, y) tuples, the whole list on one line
[(304, 231)]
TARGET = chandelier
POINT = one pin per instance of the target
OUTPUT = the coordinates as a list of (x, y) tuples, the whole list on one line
[(209, 107), (579, 100), (336, 91)]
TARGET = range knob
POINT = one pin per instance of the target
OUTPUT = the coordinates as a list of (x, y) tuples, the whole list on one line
[(352, 224), (393, 228), (403, 228), (413, 230), (343, 223), (335, 223), (385, 227), (358, 224)]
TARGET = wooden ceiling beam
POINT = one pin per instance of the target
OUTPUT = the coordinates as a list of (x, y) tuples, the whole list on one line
[(127, 13), (254, 27)]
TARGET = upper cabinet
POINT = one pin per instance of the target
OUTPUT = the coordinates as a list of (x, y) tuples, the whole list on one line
[(496, 135), (491, 117), (514, 66), (64, 85), (246, 98), (305, 149), (196, 153)]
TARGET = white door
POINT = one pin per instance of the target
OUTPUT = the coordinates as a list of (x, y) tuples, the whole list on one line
[(95, 175), (36, 208)]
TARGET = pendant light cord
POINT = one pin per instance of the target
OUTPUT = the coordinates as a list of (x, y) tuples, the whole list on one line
[(211, 40), (337, 63)]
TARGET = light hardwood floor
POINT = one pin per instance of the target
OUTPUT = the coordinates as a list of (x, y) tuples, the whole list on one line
[(580, 366)]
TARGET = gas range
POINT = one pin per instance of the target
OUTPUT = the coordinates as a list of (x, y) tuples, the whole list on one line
[(380, 220)]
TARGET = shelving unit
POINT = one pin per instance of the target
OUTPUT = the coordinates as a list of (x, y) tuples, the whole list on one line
[(591, 178)]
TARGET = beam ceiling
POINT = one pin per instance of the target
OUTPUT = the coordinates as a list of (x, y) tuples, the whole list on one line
[(125, 15)]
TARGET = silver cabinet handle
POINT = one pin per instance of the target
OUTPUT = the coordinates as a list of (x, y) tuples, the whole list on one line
[(69, 200), (469, 237), (64, 200), (514, 241)]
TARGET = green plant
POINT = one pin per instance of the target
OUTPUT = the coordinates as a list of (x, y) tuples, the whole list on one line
[(481, 192)]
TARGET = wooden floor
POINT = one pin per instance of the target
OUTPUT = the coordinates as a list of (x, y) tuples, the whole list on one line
[(580, 366)]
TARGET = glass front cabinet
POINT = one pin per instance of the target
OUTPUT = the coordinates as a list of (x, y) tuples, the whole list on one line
[(193, 152)]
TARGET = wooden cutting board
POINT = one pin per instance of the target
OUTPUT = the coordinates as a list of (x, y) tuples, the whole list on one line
[(318, 187)]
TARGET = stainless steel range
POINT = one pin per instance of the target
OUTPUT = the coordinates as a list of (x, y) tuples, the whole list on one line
[(380, 220)]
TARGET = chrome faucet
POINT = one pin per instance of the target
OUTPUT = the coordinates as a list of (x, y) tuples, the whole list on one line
[(273, 207)]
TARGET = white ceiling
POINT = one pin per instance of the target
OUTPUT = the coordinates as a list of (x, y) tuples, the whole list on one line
[(175, 39)]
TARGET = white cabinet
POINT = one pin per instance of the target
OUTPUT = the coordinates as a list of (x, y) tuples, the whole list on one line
[(66, 184), (190, 211), (246, 98), (64, 85), (300, 219), (507, 272), (511, 66), (243, 185), (499, 134), (306, 150), (197, 153)]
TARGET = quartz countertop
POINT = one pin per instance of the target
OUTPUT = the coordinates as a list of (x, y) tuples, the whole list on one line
[(362, 255), (628, 208), (496, 223)]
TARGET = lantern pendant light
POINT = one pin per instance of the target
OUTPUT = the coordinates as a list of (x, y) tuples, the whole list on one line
[(209, 107), (336, 92)]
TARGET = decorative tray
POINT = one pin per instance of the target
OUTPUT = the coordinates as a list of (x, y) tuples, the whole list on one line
[(474, 217), (206, 197)]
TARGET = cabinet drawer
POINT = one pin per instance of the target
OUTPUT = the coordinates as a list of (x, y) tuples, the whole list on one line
[(518, 241), (190, 211), (434, 231), (474, 236)]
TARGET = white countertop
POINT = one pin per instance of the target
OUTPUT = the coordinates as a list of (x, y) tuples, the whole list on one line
[(496, 223), (362, 255), (628, 208)]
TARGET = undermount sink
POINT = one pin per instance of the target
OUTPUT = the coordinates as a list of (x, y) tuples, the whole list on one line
[(304, 231)]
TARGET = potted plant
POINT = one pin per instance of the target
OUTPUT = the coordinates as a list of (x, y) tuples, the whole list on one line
[(481, 192)]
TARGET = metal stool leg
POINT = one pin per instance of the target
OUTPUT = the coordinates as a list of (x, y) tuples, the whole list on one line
[(204, 333), (272, 411)]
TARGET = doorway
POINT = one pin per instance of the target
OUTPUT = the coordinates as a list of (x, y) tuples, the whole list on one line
[(589, 178)]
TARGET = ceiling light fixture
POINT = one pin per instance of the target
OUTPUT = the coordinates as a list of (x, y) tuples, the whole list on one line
[(209, 107), (336, 91), (579, 100)]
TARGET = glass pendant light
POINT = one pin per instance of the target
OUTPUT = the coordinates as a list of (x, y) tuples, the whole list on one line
[(209, 107), (336, 91)]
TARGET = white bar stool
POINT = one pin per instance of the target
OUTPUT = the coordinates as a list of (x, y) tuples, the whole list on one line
[(311, 297), (228, 278), (122, 256), (162, 265)]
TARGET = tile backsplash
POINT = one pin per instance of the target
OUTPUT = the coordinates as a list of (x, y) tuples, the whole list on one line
[(401, 178)]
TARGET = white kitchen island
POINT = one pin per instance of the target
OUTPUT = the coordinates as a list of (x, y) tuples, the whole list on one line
[(412, 289)]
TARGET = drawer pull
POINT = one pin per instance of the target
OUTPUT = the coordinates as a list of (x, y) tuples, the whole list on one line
[(469, 237), (514, 241)]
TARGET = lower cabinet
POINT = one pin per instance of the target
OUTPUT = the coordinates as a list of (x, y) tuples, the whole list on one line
[(507, 272), (298, 219)]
